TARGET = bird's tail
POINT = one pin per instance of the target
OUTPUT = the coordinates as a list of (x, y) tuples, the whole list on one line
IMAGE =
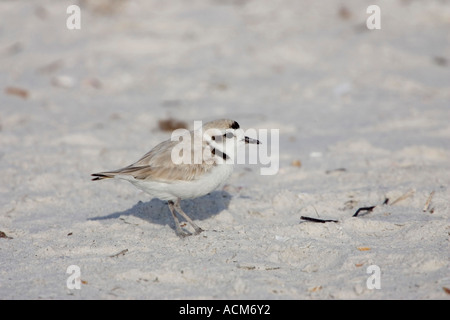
[(129, 171), (102, 175)]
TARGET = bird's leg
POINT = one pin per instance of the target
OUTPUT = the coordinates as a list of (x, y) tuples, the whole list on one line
[(178, 229), (180, 211)]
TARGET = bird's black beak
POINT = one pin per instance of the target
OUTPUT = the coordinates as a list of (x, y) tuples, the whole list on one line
[(250, 140)]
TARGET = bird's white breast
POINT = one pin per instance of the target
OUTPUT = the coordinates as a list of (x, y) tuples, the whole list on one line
[(185, 189)]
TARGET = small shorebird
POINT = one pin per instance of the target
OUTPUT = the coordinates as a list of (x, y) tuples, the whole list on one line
[(163, 174)]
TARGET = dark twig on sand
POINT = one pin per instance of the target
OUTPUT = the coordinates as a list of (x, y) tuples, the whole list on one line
[(3, 235), (368, 209), (316, 220), (121, 253)]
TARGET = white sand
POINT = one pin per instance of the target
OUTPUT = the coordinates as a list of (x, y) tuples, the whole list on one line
[(375, 103)]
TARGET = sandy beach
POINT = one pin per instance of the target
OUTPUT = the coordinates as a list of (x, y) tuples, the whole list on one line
[(363, 118)]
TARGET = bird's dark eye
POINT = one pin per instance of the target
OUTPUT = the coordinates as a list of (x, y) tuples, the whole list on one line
[(229, 135)]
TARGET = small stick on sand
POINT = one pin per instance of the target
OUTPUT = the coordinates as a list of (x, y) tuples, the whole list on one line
[(120, 253), (3, 235), (403, 197), (427, 204), (316, 220), (368, 209)]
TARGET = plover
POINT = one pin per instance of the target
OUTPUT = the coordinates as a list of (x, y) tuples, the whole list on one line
[(164, 174)]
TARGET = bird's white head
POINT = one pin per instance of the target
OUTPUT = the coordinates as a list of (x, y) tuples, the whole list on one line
[(224, 137)]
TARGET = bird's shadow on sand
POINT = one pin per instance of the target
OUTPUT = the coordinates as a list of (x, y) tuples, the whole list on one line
[(157, 211)]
